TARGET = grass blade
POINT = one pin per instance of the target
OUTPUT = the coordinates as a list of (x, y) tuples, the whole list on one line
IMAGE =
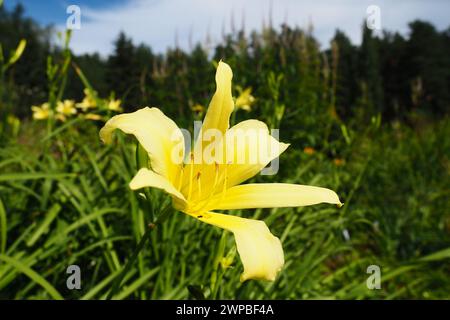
[(43, 227), (33, 275), (3, 228)]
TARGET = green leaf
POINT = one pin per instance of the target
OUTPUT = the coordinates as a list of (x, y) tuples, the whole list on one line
[(18, 53), (3, 228), (91, 293), (440, 255), (33, 275), (43, 227), (136, 284), (33, 176)]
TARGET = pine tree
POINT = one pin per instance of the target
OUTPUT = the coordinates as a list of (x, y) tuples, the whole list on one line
[(346, 86), (122, 74), (429, 60), (369, 71)]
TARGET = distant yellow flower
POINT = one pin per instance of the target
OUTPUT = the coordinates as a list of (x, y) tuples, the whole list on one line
[(245, 99), (41, 112), (93, 116), (198, 108), (199, 188), (114, 105), (88, 102), (309, 150), (66, 107)]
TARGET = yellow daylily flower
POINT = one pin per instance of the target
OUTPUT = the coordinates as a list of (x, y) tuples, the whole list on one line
[(88, 102), (41, 112), (245, 99), (114, 105), (66, 108), (197, 188)]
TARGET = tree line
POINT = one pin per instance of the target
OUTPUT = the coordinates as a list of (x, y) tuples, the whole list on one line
[(392, 75)]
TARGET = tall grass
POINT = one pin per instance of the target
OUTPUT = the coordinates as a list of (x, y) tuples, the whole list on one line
[(72, 206)]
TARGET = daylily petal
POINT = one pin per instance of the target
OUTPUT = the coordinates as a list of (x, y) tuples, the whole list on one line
[(273, 195), (221, 106), (147, 178), (216, 121), (256, 153), (260, 251), (157, 133)]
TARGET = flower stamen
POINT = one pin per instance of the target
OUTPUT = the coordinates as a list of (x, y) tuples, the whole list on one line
[(199, 185), (225, 182), (180, 181), (212, 193), (191, 173)]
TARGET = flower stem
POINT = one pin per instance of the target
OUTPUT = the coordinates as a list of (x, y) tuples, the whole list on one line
[(142, 162), (216, 275)]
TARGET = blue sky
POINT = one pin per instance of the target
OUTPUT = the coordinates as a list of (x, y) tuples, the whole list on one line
[(158, 22), (54, 11)]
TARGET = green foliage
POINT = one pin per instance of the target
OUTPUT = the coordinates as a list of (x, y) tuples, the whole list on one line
[(72, 205), (8, 123)]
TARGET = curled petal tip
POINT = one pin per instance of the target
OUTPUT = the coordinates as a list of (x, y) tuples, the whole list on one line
[(224, 70), (284, 146)]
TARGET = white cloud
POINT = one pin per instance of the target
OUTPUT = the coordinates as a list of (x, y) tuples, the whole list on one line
[(155, 22)]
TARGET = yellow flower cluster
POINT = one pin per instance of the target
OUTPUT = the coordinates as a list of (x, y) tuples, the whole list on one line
[(85, 108)]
